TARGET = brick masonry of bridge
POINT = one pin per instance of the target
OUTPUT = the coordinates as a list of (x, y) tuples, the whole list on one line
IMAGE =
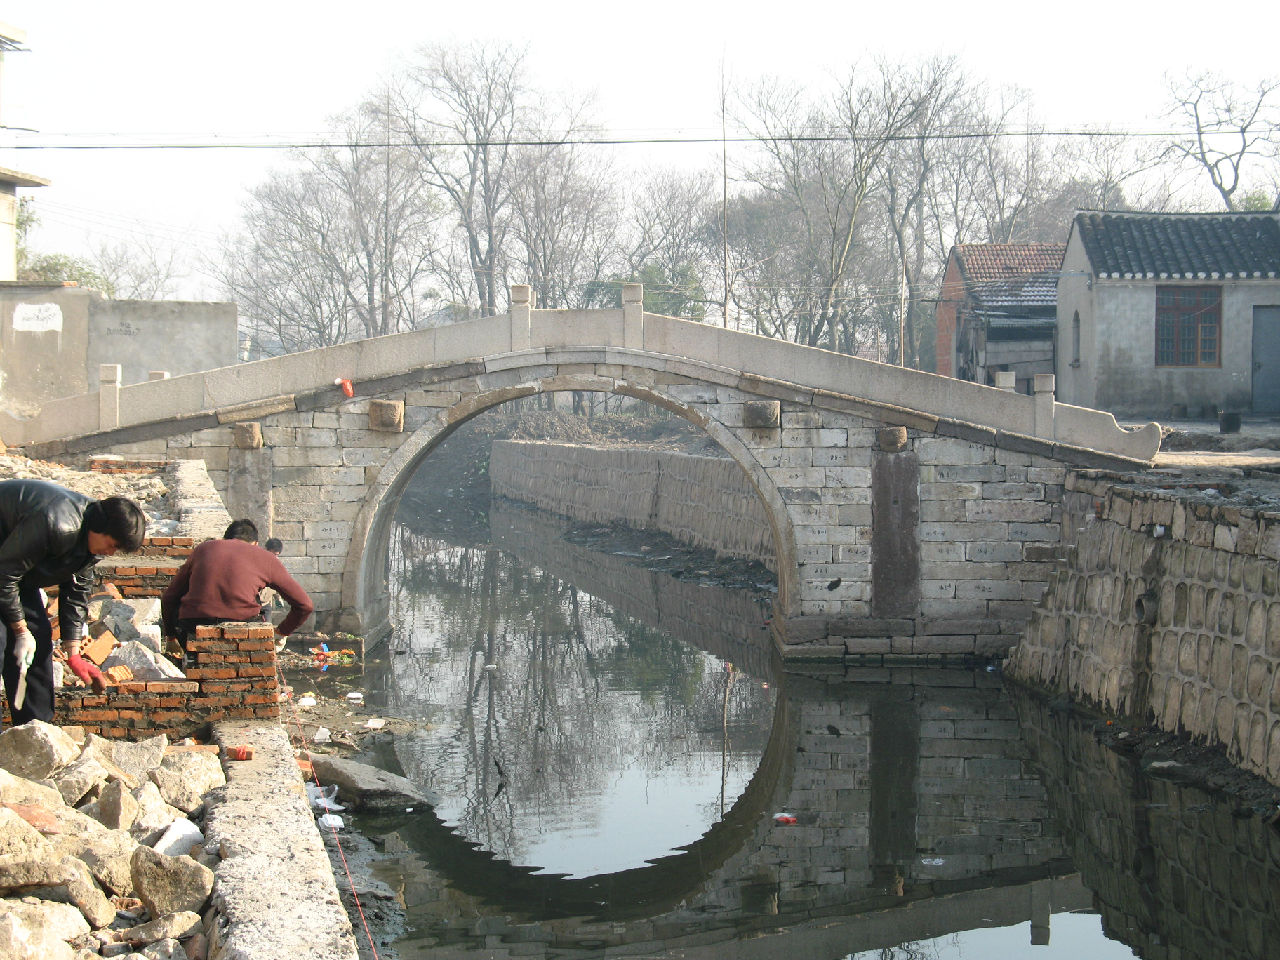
[(912, 515)]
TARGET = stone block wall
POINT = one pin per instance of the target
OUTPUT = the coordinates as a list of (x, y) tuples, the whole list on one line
[(234, 678), (702, 501), (1168, 610)]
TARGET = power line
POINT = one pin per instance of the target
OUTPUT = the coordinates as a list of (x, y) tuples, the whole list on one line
[(323, 144)]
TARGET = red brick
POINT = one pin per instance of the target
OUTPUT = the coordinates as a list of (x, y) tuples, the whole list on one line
[(254, 646), (173, 686), (91, 715), (210, 673), (212, 630), (235, 631), (248, 670)]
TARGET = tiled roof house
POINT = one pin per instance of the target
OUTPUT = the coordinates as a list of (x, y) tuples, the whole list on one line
[(997, 311), (1168, 314)]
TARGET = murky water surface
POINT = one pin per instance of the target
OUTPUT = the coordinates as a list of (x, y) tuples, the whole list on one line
[(623, 771)]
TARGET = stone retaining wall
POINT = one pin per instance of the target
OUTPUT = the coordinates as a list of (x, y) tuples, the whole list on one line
[(1167, 609), (702, 501)]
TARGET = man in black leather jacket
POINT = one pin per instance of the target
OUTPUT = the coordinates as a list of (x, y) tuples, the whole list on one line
[(50, 535)]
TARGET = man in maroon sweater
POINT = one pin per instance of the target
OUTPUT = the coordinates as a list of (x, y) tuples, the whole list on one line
[(221, 581)]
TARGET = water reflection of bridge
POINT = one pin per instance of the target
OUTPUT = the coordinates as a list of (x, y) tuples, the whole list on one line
[(726, 623), (918, 814)]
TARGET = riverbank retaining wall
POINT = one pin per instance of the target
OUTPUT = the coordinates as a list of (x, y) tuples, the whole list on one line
[(1165, 610), (705, 502)]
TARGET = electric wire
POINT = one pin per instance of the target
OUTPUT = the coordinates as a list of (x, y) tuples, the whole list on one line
[(321, 143)]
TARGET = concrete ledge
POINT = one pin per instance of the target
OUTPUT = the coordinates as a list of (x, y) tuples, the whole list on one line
[(274, 894)]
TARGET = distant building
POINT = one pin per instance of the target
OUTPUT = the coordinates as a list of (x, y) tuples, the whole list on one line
[(998, 311), (54, 338), (1169, 314)]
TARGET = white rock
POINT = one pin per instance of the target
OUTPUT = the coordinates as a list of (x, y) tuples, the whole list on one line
[(181, 836), (144, 662), (22, 941), (36, 749)]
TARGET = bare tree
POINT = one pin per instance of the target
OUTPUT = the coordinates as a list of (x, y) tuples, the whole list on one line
[(564, 222), (818, 166), (1229, 127), (337, 248), (462, 110), (139, 271)]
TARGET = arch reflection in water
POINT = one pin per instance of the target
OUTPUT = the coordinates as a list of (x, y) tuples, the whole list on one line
[(565, 734), (911, 789)]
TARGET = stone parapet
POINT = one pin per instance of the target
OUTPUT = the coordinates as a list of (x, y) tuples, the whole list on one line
[(1167, 609)]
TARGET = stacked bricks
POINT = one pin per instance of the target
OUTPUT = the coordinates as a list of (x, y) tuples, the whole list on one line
[(234, 678), (176, 547), (118, 464), (1169, 611), (147, 572)]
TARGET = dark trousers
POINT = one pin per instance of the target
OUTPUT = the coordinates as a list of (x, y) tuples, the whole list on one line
[(39, 701)]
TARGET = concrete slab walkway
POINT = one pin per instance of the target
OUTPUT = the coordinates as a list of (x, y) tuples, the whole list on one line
[(274, 896)]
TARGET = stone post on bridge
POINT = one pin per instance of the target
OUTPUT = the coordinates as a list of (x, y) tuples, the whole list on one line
[(521, 316), (249, 468), (108, 396), (633, 316), (1044, 387)]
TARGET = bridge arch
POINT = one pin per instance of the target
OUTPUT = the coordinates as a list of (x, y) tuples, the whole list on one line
[(364, 590)]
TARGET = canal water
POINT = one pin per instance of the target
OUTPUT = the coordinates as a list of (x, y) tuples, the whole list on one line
[(623, 769)]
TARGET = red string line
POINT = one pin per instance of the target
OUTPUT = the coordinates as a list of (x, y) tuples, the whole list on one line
[(293, 713)]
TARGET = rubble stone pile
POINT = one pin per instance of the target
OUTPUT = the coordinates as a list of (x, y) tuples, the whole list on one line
[(102, 852)]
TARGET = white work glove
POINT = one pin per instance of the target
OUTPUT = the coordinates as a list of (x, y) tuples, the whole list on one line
[(24, 648)]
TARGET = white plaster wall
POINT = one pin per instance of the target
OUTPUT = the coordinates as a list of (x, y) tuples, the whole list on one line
[(1075, 383), (1128, 381)]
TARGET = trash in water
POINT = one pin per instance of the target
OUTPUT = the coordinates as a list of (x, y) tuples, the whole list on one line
[(306, 701), (374, 723), (933, 861), (330, 821), (783, 818), (324, 798), (355, 696), (322, 735)]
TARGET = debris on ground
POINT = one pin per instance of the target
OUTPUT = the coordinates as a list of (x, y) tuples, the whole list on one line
[(101, 842)]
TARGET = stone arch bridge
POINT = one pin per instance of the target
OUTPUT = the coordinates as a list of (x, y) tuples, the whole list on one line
[(912, 514)]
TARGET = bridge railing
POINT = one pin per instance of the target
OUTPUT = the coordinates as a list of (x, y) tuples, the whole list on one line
[(257, 388)]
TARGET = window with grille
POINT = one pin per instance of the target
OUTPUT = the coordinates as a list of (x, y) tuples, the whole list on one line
[(1188, 326)]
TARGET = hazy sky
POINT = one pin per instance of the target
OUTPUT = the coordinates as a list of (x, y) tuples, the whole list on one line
[(159, 71)]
